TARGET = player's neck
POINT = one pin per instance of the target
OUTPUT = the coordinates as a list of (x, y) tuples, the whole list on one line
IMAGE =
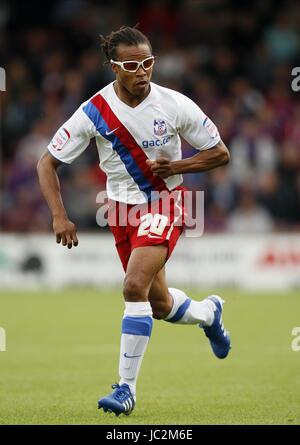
[(128, 98)]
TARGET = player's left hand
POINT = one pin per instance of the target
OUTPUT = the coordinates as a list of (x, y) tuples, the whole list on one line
[(161, 167)]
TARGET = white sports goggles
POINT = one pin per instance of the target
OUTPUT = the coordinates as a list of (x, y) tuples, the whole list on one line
[(132, 66)]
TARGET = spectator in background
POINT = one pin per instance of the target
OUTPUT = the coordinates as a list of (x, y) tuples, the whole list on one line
[(23, 209), (249, 216), (254, 152), (281, 199), (240, 75), (260, 67), (281, 39)]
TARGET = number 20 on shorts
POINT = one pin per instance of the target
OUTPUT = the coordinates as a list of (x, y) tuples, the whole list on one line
[(154, 224)]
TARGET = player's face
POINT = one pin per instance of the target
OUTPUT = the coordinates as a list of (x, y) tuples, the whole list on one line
[(136, 84)]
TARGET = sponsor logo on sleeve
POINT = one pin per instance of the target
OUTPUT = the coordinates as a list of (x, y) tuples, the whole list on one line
[(60, 139), (210, 127)]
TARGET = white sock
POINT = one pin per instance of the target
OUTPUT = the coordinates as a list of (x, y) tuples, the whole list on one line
[(187, 311), (136, 331)]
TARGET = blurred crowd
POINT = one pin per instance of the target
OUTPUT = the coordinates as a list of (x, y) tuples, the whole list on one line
[(234, 59)]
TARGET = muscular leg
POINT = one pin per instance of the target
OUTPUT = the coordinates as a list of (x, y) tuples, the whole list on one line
[(145, 283), (144, 264), (159, 296), (174, 305)]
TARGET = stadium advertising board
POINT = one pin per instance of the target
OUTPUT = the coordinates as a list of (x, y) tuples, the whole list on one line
[(268, 262)]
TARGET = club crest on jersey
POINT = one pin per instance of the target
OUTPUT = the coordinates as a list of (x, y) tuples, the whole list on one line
[(60, 139), (160, 127)]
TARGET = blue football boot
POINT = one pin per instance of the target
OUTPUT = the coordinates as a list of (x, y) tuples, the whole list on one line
[(119, 401), (216, 333)]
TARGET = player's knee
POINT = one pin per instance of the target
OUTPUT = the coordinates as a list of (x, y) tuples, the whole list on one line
[(157, 315), (160, 310), (134, 290)]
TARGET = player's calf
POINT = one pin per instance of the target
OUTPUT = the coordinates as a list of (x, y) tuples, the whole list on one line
[(207, 314)]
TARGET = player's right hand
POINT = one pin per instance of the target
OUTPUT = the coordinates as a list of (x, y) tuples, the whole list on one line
[(65, 231)]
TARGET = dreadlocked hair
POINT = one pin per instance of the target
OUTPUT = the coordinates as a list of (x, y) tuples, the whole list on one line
[(126, 35)]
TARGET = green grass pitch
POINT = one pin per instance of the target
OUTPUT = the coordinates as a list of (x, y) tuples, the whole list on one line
[(62, 355)]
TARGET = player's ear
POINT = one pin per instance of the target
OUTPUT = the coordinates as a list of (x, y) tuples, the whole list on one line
[(113, 67)]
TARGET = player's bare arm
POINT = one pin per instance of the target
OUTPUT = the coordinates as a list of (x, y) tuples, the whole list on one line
[(203, 161), (64, 229)]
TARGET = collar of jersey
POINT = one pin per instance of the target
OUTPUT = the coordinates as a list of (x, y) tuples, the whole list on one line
[(140, 105)]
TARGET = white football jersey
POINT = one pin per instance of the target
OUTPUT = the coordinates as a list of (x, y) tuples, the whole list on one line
[(126, 137)]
